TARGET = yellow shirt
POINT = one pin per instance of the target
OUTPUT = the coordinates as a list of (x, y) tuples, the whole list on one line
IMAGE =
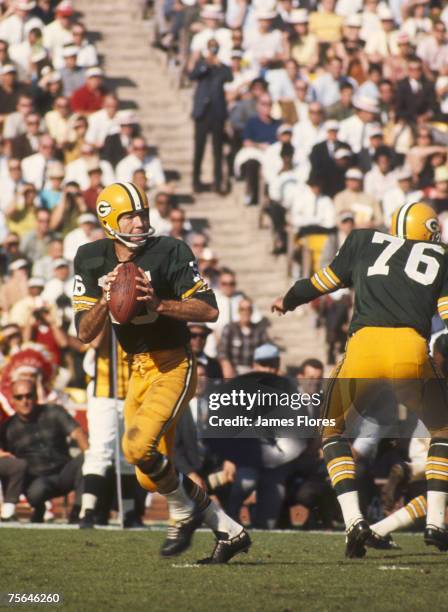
[(326, 26)]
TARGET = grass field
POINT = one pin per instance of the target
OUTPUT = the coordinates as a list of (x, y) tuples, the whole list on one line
[(112, 570)]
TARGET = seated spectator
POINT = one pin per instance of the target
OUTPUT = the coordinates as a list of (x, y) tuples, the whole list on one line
[(382, 177), (21, 312), (78, 170), (381, 43), (370, 87), (44, 11), (433, 49), (437, 195), (27, 143), (43, 267), (38, 434), (296, 109), (15, 287), (180, 229), (198, 243), (49, 87), (259, 132), (418, 23), (343, 108), (302, 45), (104, 122), (160, 215), (199, 333), (15, 122), (354, 130), (264, 43), (322, 158), (21, 213), (73, 76), (239, 340), (34, 244), (403, 193), (87, 224), (10, 90), (11, 183), (90, 97), (326, 88), (325, 23), (90, 194), (272, 160), (309, 132), (365, 208), (139, 157), (58, 32), (21, 53), (345, 223), (416, 98), (35, 167), (60, 284), (13, 26), (116, 145), (51, 196), (87, 55), (208, 265), (72, 149), (64, 217), (395, 64), (58, 121)]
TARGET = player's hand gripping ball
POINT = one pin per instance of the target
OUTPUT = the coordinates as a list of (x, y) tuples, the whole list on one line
[(123, 293)]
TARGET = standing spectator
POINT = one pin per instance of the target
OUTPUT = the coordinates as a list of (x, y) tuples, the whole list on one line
[(103, 122), (416, 97), (73, 76), (211, 16), (209, 112), (140, 158), (117, 144), (34, 243), (239, 341), (259, 132), (90, 97), (364, 207), (366, 155), (38, 434), (27, 143), (322, 158)]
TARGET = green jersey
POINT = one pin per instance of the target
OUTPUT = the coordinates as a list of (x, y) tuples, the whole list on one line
[(397, 282), (172, 269)]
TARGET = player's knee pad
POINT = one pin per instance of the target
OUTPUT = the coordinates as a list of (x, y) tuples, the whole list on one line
[(135, 446), (145, 481)]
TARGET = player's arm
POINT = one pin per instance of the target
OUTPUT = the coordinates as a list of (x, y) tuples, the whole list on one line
[(326, 280), (195, 301), (442, 302)]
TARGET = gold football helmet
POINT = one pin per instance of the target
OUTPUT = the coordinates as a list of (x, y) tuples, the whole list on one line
[(416, 221), (116, 200)]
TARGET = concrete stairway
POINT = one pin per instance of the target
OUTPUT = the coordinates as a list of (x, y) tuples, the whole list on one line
[(144, 81)]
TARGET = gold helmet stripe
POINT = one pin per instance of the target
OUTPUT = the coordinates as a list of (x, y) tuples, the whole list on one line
[(133, 195), (401, 220)]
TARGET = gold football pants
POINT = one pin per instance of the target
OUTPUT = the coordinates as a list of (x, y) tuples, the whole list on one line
[(160, 387), (398, 354)]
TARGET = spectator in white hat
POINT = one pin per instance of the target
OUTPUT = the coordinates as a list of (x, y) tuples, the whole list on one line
[(272, 162), (308, 133), (116, 144), (323, 159), (22, 310), (403, 193), (370, 19), (395, 65), (61, 282), (140, 157), (264, 45), (73, 76), (302, 44), (212, 17), (87, 55), (51, 197), (354, 130), (104, 122), (85, 233), (366, 210), (419, 23), (58, 32), (78, 170), (12, 29)]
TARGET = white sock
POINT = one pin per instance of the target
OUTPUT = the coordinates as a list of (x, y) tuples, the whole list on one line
[(349, 503), (179, 504), (218, 520), (436, 508), (88, 502), (8, 510), (397, 520)]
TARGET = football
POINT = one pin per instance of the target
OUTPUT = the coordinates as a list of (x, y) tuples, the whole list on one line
[(123, 304)]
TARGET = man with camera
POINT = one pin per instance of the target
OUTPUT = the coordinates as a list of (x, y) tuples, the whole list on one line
[(209, 112)]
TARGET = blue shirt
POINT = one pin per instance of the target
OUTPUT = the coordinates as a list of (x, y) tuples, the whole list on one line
[(260, 132), (49, 198)]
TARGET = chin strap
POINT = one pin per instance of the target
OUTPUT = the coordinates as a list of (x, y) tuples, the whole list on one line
[(122, 237)]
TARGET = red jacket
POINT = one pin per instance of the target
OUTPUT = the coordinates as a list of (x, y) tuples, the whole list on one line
[(85, 100)]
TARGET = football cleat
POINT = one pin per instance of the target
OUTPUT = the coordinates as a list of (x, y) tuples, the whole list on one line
[(225, 548), (180, 534), (356, 538), (379, 542), (88, 520), (434, 536)]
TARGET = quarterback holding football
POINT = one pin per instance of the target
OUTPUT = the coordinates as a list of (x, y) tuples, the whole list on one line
[(399, 279), (150, 287)]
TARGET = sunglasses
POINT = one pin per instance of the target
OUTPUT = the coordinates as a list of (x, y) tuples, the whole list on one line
[(24, 396), (228, 284), (198, 335)]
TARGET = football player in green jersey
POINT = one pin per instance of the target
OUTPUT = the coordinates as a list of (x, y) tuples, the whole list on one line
[(163, 370), (399, 280)]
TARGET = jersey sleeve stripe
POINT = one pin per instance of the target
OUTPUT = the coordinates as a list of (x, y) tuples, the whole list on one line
[(318, 284), (329, 277), (336, 279), (199, 286), (84, 299), (442, 302)]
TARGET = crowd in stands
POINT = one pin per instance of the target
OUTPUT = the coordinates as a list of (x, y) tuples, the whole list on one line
[(328, 116)]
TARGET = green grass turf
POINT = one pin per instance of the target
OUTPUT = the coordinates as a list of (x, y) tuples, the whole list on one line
[(112, 570)]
